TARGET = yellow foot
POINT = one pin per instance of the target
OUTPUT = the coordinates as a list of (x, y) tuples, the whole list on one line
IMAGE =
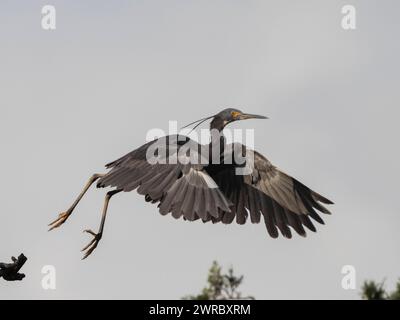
[(62, 217), (92, 244)]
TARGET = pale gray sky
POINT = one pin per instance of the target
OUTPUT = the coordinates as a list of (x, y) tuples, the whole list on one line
[(78, 97)]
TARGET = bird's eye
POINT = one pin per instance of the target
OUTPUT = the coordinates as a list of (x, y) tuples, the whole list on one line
[(235, 114)]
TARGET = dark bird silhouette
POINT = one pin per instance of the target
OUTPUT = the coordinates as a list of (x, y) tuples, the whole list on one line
[(197, 181)]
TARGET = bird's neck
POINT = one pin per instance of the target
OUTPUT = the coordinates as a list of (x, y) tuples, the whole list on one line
[(218, 140), (217, 124)]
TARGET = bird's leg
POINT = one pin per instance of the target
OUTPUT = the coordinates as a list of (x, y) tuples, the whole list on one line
[(97, 236), (63, 216)]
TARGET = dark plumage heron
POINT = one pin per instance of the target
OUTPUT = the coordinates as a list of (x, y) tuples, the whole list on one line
[(209, 190)]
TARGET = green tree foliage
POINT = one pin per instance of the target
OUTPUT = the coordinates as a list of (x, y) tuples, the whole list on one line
[(395, 295), (372, 290), (220, 286)]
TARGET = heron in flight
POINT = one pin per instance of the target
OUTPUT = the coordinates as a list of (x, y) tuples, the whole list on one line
[(209, 190)]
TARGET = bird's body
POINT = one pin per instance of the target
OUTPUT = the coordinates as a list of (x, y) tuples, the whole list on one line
[(209, 183)]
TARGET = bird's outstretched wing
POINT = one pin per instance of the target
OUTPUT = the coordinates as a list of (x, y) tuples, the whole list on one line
[(217, 192), (182, 188), (265, 190)]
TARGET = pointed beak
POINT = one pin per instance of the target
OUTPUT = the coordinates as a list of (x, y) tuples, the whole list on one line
[(245, 116)]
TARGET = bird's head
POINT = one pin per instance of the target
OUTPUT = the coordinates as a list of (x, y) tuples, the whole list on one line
[(226, 116), (230, 115)]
